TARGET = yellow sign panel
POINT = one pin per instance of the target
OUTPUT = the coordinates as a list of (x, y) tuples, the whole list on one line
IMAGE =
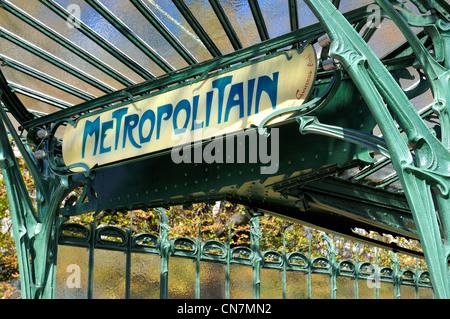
[(218, 105)]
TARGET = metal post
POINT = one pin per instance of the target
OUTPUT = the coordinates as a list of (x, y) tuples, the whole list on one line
[(424, 178), (255, 236), (164, 251)]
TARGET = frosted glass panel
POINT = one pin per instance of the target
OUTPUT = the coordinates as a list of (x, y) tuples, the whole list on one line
[(407, 292), (212, 280), (364, 291), (345, 288), (320, 286), (181, 284), (425, 293), (386, 291), (296, 285), (271, 284), (145, 276), (109, 274), (72, 272), (241, 282)]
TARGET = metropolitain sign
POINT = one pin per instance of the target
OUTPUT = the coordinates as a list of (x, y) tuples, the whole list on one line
[(220, 104)]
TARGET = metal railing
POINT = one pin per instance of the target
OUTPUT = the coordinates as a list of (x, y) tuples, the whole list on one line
[(108, 262)]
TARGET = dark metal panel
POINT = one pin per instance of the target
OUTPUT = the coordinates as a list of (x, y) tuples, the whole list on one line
[(12, 102)]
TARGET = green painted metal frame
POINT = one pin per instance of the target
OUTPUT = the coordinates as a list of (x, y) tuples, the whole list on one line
[(307, 34), (362, 273), (424, 177), (55, 61), (67, 44), (94, 36), (430, 169)]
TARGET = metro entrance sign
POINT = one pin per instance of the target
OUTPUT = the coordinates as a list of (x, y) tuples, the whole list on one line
[(369, 151), (218, 105)]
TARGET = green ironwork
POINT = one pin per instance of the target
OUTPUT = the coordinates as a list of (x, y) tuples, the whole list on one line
[(69, 45), (82, 27), (430, 166), (341, 278), (329, 148), (54, 60), (167, 34)]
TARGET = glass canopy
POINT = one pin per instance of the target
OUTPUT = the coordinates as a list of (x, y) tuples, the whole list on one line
[(59, 54)]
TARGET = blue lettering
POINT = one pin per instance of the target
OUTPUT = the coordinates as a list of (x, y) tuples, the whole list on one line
[(266, 84), (182, 105), (237, 90), (105, 126), (195, 124), (209, 98), (163, 109), (220, 84), (131, 121), (251, 88), (91, 128), (148, 115), (118, 115), (151, 118)]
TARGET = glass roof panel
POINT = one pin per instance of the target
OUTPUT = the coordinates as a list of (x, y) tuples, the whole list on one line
[(204, 13), (276, 17), (349, 5), (387, 30), (111, 69), (240, 16), (305, 15), (49, 19), (95, 21), (167, 12), (127, 13)]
